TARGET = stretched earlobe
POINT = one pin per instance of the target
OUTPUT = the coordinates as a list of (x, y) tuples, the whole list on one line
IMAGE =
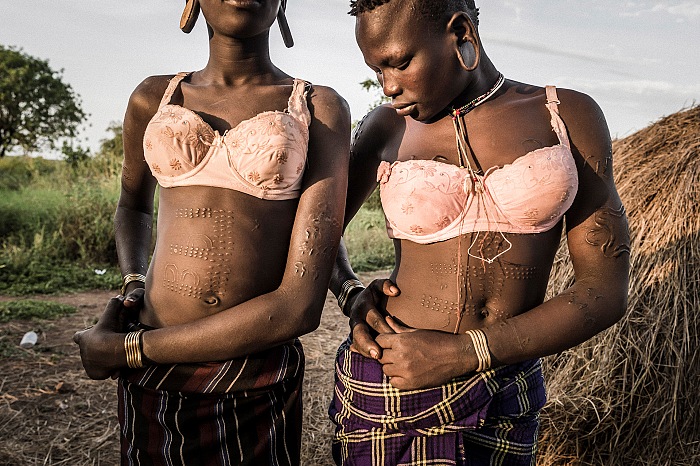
[(467, 44), (189, 16), (284, 26), (468, 52)]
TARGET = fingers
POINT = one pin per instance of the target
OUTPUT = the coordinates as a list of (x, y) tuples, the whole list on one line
[(384, 340), (134, 298), (395, 378), (383, 286), (389, 288), (376, 320), (112, 316), (112, 310), (363, 342), (397, 326), (77, 336)]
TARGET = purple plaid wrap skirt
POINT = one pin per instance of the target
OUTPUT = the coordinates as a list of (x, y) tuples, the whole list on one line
[(485, 418)]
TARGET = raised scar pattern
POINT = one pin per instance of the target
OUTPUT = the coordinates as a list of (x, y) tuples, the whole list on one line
[(611, 232)]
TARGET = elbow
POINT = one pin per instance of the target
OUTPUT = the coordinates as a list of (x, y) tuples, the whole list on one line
[(311, 323), (306, 320), (303, 315), (614, 312), (620, 310)]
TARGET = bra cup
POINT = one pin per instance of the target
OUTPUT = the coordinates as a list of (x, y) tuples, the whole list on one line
[(174, 144), (535, 191), (267, 153), (422, 198)]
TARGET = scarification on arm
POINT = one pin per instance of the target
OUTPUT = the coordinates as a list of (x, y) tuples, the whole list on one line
[(611, 232)]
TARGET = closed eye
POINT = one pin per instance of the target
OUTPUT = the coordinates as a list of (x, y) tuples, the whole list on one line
[(403, 65)]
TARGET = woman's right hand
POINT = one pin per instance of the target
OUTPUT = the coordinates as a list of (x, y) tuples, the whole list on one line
[(102, 345), (367, 320)]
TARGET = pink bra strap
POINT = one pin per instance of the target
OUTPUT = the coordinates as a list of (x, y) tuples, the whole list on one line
[(297, 105), (172, 85), (557, 123)]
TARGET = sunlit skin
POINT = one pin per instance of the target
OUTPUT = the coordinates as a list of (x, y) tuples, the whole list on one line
[(231, 274), (426, 69)]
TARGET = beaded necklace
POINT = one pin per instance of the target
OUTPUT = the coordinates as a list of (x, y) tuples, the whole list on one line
[(466, 108)]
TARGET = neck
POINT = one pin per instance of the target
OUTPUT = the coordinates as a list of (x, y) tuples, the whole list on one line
[(479, 81), (237, 61)]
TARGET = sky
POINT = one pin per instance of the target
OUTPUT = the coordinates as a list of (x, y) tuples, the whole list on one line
[(640, 60)]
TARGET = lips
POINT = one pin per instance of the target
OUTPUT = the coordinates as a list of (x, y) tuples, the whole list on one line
[(403, 109), (243, 3)]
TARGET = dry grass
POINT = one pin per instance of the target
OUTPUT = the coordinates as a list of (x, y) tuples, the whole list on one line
[(629, 396)]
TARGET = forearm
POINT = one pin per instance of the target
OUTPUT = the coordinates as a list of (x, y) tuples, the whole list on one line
[(564, 321), (255, 325), (133, 231), (342, 270)]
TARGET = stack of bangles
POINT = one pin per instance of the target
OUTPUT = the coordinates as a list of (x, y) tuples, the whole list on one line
[(481, 347), (345, 289), (133, 346), (132, 277)]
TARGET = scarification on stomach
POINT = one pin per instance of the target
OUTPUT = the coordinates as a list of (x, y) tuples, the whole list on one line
[(210, 272)]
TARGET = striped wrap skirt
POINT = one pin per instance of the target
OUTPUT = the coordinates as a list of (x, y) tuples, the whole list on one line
[(244, 411), (488, 418)]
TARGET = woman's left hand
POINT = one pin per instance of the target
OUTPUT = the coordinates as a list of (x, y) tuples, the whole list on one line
[(416, 358), (102, 345)]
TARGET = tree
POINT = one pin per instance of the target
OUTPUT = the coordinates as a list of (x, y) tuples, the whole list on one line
[(373, 86), (36, 106)]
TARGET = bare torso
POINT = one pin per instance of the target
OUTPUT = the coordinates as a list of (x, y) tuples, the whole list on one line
[(440, 280), (215, 248)]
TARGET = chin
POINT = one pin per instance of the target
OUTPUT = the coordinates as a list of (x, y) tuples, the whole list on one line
[(424, 117)]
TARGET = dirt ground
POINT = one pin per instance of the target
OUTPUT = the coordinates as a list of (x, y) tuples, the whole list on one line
[(52, 414)]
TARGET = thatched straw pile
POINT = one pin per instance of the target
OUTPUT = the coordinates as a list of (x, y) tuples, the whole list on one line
[(630, 395)]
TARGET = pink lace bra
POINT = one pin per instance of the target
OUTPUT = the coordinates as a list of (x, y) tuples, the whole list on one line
[(426, 201), (263, 156)]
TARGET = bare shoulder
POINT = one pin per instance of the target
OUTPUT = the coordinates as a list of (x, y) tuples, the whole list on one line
[(145, 99), (592, 147), (582, 115), (375, 130), (326, 103)]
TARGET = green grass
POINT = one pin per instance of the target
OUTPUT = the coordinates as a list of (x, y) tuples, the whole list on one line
[(36, 277), (368, 246), (28, 309), (56, 226)]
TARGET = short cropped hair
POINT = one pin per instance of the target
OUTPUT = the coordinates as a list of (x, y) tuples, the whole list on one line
[(434, 10)]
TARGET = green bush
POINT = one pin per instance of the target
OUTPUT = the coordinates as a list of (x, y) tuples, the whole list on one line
[(70, 224), (368, 246), (25, 212), (19, 172), (373, 202)]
